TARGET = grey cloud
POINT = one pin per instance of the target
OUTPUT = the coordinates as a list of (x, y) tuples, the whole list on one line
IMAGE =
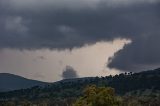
[(15, 24), (74, 24), (69, 4), (64, 28), (141, 54), (69, 72), (41, 57)]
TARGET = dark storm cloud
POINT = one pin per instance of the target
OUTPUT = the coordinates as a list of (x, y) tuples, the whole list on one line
[(69, 72), (35, 24), (28, 28), (142, 54)]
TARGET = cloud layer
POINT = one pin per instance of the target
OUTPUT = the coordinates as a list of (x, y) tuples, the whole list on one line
[(54, 24), (69, 72)]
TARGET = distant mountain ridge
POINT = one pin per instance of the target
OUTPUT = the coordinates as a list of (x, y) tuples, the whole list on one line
[(124, 83), (10, 82)]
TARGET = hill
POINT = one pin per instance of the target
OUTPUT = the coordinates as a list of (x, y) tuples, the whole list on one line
[(10, 82), (143, 84)]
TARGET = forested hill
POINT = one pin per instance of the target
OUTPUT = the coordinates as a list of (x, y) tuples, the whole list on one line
[(123, 84)]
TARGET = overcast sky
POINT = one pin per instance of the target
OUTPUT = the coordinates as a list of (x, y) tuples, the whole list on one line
[(49, 39)]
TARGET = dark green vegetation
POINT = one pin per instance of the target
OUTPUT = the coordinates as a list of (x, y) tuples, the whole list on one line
[(105, 96), (133, 89), (98, 96)]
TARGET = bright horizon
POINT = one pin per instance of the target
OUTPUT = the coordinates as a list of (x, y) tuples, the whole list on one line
[(48, 65)]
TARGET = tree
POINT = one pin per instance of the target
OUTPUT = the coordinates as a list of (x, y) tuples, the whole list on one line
[(98, 96)]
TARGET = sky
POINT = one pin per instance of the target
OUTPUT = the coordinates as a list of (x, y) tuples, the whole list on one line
[(47, 65), (50, 40)]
